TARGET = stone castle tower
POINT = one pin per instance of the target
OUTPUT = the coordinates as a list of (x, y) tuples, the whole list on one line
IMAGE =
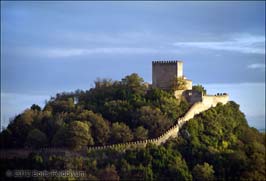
[(164, 73)]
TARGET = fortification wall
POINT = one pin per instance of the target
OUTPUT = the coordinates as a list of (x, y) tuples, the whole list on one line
[(188, 84), (207, 102), (198, 107), (213, 100), (192, 96)]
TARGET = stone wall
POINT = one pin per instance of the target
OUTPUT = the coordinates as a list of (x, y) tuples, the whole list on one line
[(188, 84), (164, 72), (192, 96), (207, 102), (213, 100)]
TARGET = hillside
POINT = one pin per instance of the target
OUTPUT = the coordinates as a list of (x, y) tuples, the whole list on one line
[(216, 144), (112, 112)]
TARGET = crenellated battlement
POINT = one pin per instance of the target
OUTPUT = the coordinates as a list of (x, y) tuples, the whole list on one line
[(167, 61)]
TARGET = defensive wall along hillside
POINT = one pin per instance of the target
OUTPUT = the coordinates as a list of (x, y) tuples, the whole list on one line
[(207, 102), (163, 75)]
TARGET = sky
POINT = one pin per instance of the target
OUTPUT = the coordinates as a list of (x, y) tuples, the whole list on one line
[(49, 47)]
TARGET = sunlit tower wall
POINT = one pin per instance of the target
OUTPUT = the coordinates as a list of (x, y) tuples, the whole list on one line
[(164, 72)]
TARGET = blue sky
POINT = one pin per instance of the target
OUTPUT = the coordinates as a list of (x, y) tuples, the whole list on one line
[(48, 47)]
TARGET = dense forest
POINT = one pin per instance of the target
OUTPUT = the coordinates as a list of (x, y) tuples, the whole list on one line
[(217, 144)]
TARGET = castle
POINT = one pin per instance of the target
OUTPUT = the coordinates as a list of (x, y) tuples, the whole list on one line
[(165, 73)]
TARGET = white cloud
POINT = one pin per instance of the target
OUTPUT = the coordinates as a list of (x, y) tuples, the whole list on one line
[(127, 43), (69, 52), (257, 66), (124, 38), (78, 52), (241, 43)]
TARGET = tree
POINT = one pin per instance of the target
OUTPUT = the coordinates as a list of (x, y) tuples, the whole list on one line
[(133, 81), (134, 85), (20, 127), (100, 129), (48, 123), (35, 107), (78, 135), (117, 110), (154, 120), (120, 132), (167, 103), (199, 88), (103, 83), (62, 105), (59, 139), (141, 133), (167, 163), (203, 172), (109, 173), (36, 139), (179, 83)]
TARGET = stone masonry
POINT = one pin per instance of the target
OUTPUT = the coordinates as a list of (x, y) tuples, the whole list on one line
[(164, 73)]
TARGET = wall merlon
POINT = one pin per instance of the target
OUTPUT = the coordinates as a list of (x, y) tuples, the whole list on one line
[(166, 61)]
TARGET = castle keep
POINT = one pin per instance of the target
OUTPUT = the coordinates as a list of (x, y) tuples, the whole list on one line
[(164, 73)]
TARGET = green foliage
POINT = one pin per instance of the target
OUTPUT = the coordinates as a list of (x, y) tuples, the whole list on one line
[(109, 173), (157, 163), (179, 83), (154, 120), (99, 127), (36, 139), (59, 139), (217, 144), (19, 128), (199, 88), (36, 107), (117, 110), (203, 172), (134, 85), (78, 135), (103, 83), (120, 133), (141, 133), (221, 137), (62, 105), (167, 103)]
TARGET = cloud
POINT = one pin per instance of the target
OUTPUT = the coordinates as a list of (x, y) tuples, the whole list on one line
[(78, 52), (69, 52), (121, 38), (257, 66), (241, 43)]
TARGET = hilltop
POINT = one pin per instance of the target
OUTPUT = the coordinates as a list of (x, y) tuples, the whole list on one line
[(112, 112), (216, 144)]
